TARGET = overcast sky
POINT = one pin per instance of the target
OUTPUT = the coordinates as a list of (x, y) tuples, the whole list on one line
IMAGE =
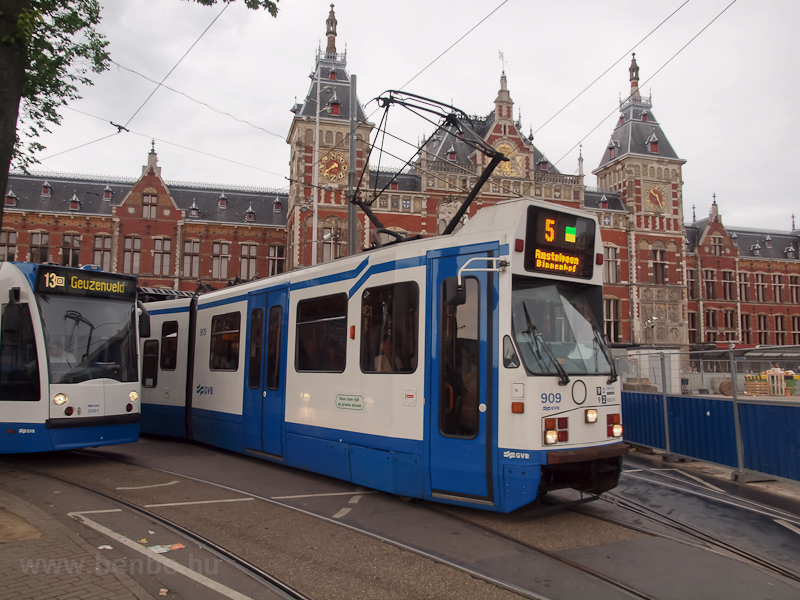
[(727, 102)]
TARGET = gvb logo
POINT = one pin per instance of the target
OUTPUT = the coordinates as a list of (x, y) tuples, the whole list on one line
[(511, 454)]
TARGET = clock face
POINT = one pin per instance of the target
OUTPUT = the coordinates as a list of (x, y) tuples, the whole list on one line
[(333, 166), (655, 198), (513, 166)]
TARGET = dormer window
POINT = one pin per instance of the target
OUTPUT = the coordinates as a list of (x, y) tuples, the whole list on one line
[(604, 202), (11, 199), (250, 214), (768, 242), (612, 149), (544, 164), (277, 205), (393, 185), (47, 189), (622, 119), (222, 201), (652, 143), (194, 212), (644, 116), (756, 249), (790, 251), (335, 106), (332, 75), (451, 154), (735, 239), (107, 192), (74, 202)]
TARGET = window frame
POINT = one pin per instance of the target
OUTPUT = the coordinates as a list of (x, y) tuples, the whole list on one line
[(393, 325), (322, 322), (221, 349)]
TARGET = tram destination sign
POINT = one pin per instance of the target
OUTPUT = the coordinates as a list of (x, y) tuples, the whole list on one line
[(559, 243), (88, 284)]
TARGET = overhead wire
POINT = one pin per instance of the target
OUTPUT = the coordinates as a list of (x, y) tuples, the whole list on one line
[(616, 62), (681, 49), (200, 102), (185, 54)]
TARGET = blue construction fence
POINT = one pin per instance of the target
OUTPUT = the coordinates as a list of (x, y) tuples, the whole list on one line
[(702, 427), (746, 417)]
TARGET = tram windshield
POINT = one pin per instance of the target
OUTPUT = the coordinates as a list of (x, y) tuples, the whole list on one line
[(89, 338), (555, 322)]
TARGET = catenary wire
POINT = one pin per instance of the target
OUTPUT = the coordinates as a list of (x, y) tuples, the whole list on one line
[(178, 63), (603, 74), (681, 49), (453, 45), (200, 102)]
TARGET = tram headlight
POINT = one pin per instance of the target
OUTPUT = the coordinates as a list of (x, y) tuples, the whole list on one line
[(60, 399), (550, 437), (591, 415), (134, 395)]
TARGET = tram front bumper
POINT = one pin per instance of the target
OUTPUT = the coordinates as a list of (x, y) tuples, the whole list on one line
[(561, 457)]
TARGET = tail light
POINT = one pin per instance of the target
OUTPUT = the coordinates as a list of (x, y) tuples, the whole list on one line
[(556, 430), (614, 424)]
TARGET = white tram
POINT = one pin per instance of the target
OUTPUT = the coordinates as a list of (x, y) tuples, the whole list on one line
[(467, 369), (69, 373)]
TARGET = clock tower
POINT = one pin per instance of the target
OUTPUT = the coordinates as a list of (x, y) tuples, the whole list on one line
[(640, 164), (320, 161)]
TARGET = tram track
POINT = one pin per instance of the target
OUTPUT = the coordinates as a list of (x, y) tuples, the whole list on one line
[(605, 579), (267, 580), (699, 535), (252, 569), (465, 565), (615, 583), (705, 490), (708, 492)]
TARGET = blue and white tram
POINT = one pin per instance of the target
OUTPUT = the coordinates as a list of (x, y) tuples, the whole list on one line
[(69, 372), (467, 369)]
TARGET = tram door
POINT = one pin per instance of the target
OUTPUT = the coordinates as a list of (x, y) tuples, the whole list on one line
[(461, 380), (265, 375)]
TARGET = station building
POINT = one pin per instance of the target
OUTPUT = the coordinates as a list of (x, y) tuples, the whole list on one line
[(668, 282)]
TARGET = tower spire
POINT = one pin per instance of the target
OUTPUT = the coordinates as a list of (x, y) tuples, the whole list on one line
[(633, 70), (330, 26)]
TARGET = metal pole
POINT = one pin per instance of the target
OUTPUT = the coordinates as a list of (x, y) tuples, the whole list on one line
[(315, 180), (664, 400), (352, 221), (739, 474)]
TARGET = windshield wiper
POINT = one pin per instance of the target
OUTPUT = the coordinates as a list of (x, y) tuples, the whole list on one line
[(562, 373), (600, 338)]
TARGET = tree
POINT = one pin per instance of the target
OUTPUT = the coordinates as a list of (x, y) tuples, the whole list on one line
[(48, 48)]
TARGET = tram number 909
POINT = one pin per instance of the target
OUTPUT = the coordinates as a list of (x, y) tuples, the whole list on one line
[(551, 398)]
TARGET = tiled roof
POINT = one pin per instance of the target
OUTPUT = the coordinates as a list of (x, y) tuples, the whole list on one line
[(90, 192)]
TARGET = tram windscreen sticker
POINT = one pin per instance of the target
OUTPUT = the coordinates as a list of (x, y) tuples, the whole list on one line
[(559, 243)]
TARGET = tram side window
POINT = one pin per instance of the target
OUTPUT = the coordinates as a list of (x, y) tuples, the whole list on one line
[(321, 334), (169, 345), (274, 347), (389, 328), (256, 341), (19, 365), (150, 364), (224, 355), (458, 365)]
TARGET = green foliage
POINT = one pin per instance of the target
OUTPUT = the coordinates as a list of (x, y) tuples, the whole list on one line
[(268, 5), (62, 47)]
